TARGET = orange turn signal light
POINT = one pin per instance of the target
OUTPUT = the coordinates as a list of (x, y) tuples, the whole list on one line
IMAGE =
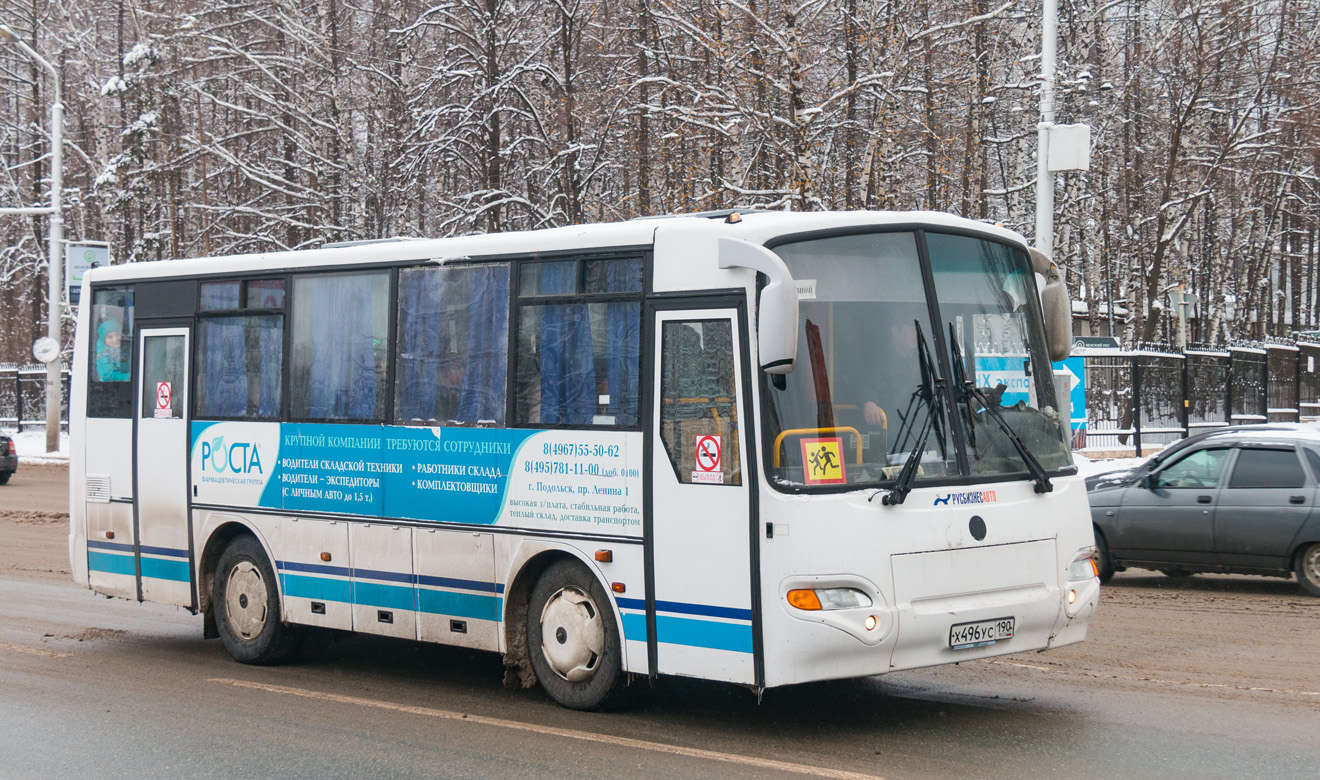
[(618, 587), (325, 557), (605, 556), (804, 599), (109, 534)]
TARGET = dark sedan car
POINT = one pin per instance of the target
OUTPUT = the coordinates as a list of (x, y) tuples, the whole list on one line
[(1241, 500), (8, 459)]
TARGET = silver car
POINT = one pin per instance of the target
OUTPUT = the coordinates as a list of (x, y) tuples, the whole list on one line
[(1241, 500)]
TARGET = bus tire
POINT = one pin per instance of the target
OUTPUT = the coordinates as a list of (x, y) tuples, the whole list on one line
[(573, 638), (1307, 568), (1103, 562), (246, 602)]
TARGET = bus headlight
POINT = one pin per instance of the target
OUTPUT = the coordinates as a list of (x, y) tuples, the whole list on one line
[(828, 599), (1083, 585), (1083, 568)]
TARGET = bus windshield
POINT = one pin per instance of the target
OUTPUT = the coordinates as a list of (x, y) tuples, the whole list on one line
[(875, 385)]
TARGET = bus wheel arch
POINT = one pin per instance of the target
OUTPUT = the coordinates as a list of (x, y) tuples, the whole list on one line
[(573, 639), (210, 558), (517, 662), (246, 605)]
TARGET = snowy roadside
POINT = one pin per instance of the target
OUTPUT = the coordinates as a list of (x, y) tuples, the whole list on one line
[(1087, 467), (31, 445)]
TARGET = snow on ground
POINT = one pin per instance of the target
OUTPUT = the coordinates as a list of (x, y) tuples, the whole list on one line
[(1086, 466), (31, 445)]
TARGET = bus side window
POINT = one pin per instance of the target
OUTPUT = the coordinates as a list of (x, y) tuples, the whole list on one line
[(579, 363), (453, 345), (338, 368), (109, 392), (698, 403), (239, 361)]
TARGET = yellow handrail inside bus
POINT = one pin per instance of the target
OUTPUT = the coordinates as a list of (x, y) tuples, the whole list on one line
[(804, 431)]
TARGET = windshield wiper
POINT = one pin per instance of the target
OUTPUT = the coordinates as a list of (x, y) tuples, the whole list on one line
[(960, 380), (931, 390), (970, 391)]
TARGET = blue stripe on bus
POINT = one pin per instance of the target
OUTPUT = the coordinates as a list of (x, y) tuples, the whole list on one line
[(468, 605), (313, 568), (708, 634), (634, 627), (319, 588), (705, 610), (450, 582), (168, 552), (386, 576), (370, 594), (160, 569), (111, 564), (735, 637)]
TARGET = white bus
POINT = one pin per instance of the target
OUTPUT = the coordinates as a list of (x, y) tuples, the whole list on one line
[(766, 448)]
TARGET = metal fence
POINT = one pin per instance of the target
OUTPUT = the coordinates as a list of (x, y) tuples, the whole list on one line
[(1140, 399), (23, 396)]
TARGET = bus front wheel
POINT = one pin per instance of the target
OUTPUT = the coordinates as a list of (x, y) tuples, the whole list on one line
[(246, 602), (573, 638)]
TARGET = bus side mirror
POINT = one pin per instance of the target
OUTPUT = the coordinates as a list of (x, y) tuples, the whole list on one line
[(777, 309), (1055, 306)]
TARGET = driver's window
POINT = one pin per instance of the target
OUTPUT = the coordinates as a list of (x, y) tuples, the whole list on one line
[(1201, 469)]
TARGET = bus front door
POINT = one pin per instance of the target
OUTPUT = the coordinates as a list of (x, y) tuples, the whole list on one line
[(701, 560), (161, 446)]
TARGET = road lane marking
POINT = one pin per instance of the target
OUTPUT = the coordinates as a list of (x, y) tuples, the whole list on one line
[(1156, 680), (33, 651), (586, 736)]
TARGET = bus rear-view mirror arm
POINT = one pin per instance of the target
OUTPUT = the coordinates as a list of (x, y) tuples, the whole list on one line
[(1055, 305), (777, 312)]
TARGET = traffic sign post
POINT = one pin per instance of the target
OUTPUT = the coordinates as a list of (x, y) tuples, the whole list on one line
[(79, 258)]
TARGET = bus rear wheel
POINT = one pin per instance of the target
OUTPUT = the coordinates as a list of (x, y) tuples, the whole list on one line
[(573, 638), (246, 602)]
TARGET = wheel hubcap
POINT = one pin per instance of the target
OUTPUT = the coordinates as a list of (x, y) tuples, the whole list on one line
[(572, 619), (245, 600), (1311, 563)]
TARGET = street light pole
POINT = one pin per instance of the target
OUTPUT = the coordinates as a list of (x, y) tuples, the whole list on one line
[(1049, 33), (54, 297)]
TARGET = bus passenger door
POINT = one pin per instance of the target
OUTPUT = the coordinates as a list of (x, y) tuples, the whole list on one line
[(700, 559), (161, 444)]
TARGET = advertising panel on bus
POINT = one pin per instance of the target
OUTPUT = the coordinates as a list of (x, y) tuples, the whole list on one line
[(573, 481)]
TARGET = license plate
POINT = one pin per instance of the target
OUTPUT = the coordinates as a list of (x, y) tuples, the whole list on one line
[(981, 633)]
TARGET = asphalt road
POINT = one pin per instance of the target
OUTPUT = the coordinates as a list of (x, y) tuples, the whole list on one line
[(1207, 677)]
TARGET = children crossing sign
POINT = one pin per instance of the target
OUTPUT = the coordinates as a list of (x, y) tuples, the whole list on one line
[(822, 461)]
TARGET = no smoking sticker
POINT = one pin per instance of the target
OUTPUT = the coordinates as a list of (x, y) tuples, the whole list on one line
[(708, 454), (163, 399)]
